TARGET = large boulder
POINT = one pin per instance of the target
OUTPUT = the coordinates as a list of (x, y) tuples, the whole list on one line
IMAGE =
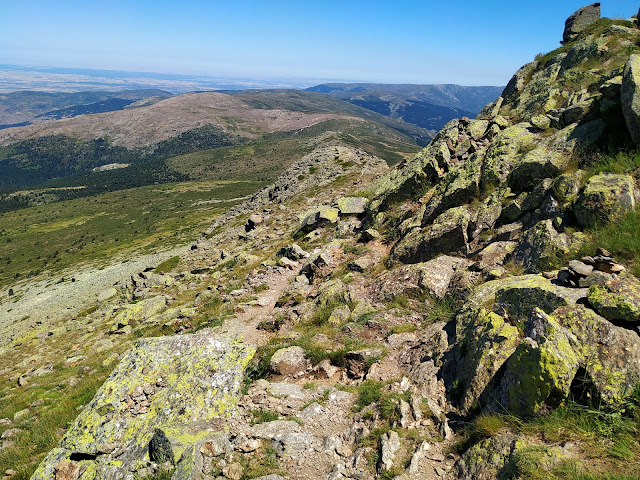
[(610, 354), (539, 163), (485, 344), (541, 370), (580, 20), (432, 277), (630, 94), (179, 384), (617, 300), (605, 197), (447, 235), (506, 151)]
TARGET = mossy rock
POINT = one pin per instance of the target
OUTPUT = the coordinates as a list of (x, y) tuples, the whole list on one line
[(618, 300), (605, 197)]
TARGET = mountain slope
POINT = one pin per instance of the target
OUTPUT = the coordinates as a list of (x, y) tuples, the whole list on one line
[(449, 318), (427, 106)]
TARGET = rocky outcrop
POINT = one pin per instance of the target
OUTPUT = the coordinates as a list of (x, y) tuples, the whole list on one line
[(446, 235), (630, 93), (178, 384), (604, 198), (617, 300), (580, 20)]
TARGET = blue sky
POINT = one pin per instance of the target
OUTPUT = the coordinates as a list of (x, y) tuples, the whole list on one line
[(466, 42)]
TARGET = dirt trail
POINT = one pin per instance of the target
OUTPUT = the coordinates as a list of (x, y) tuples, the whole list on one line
[(244, 324)]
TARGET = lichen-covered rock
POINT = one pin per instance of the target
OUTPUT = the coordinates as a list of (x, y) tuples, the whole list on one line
[(139, 312), (447, 235), (292, 252), (486, 343), (160, 450), (537, 195), (630, 97), (351, 205), (567, 186), (485, 459), (388, 447), (316, 218), (605, 197), (290, 361), (617, 300), (580, 20), (431, 277), (333, 292), (512, 208), (505, 153), (458, 187), (488, 213), (540, 371), (412, 178), (538, 245), (477, 128), (179, 384), (494, 254), (519, 80), (610, 355), (539, 163), (519, 296)]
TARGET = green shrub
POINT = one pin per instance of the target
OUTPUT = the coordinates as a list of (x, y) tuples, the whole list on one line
[(168, 265)]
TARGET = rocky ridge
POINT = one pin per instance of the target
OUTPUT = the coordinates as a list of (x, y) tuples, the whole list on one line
[(454, 292)]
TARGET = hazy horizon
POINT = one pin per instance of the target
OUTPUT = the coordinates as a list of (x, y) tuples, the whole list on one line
[(466, 43)]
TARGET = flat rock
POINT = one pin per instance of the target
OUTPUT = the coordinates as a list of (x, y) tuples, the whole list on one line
[(352, 205)]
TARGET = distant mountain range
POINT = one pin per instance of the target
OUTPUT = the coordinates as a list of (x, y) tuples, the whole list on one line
[(427, 106)]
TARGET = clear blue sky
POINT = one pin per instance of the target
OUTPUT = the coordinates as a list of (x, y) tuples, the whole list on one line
[(467, 42)]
